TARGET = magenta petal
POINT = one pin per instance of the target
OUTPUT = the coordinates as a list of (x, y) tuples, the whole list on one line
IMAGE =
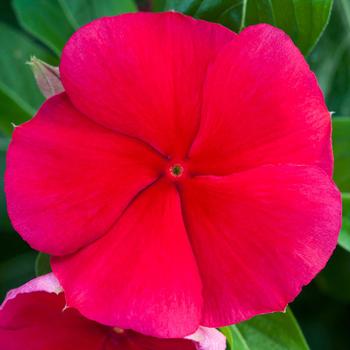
[(68, 179), (47, 283), (32, 318), (262, 235), (142, 275), (143, 74), (135, 341), (107, 177), (262, 105), (35, 317)]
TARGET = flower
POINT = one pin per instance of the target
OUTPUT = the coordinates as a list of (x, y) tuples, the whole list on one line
[(182, 178), (34, 317)]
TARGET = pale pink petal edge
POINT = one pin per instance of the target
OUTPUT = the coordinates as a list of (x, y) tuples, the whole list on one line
[(46, 283), (205, 338), (208, 339)]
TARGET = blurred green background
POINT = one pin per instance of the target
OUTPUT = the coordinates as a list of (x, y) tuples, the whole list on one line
[(41, 27)]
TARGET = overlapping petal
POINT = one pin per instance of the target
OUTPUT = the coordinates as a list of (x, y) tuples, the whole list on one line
[(68, 179), (35, 317), (259, 236), (208, 339), (48, 283), (32, 319), (142, 275), (137, 341), (143, 74), (261, 105)]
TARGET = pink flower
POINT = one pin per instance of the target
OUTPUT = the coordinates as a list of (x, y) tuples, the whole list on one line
[(34, 317), (183, 178)]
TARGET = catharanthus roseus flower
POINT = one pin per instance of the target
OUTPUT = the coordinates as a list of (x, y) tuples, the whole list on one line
[(35, 317), (182, 178)]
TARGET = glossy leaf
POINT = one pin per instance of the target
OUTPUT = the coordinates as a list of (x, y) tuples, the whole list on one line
[(227, 332), (344, 237), (233, 16), (186, 6), (227, 12), (303, 20), (158, 5), (19, 95), (42, 264), (10, 111), (334, 280), (6, 13), (54, 21), (15, 271), (4, 220), (238, 341), (330, 60), (80, 12), (45, 20), (277, 331), (341, 149)]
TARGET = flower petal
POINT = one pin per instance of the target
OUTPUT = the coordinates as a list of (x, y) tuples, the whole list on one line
[(35, 317), (32, 319), (142, 275), (143, 74), (137, 341), (262, 106), (47, 283), (208, 339), (262, 235), (68, 179)]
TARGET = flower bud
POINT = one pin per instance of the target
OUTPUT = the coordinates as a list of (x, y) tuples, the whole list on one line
[(47, 77)]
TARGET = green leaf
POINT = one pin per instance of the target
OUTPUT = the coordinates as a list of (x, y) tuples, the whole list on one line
[(45, 20), (42, 264), (227, 12), (227, 332), (303, 20), (16, 271), (10, 111), (233, 16), (19, 95), (5, 225), (277, 331), (54, 21), (80, 12), (341, 149), (334, 280), (331, 57), (6, 13), (344, 237), (158, 5), (186, 6), (238, 341)]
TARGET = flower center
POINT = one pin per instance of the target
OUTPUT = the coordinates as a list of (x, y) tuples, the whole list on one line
[(176, 170)]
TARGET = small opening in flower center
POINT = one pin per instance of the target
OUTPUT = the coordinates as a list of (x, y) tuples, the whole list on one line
[(176, 170), (118, 330)]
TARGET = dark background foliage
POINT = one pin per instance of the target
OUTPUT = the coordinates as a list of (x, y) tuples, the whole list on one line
[(323, 308)]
